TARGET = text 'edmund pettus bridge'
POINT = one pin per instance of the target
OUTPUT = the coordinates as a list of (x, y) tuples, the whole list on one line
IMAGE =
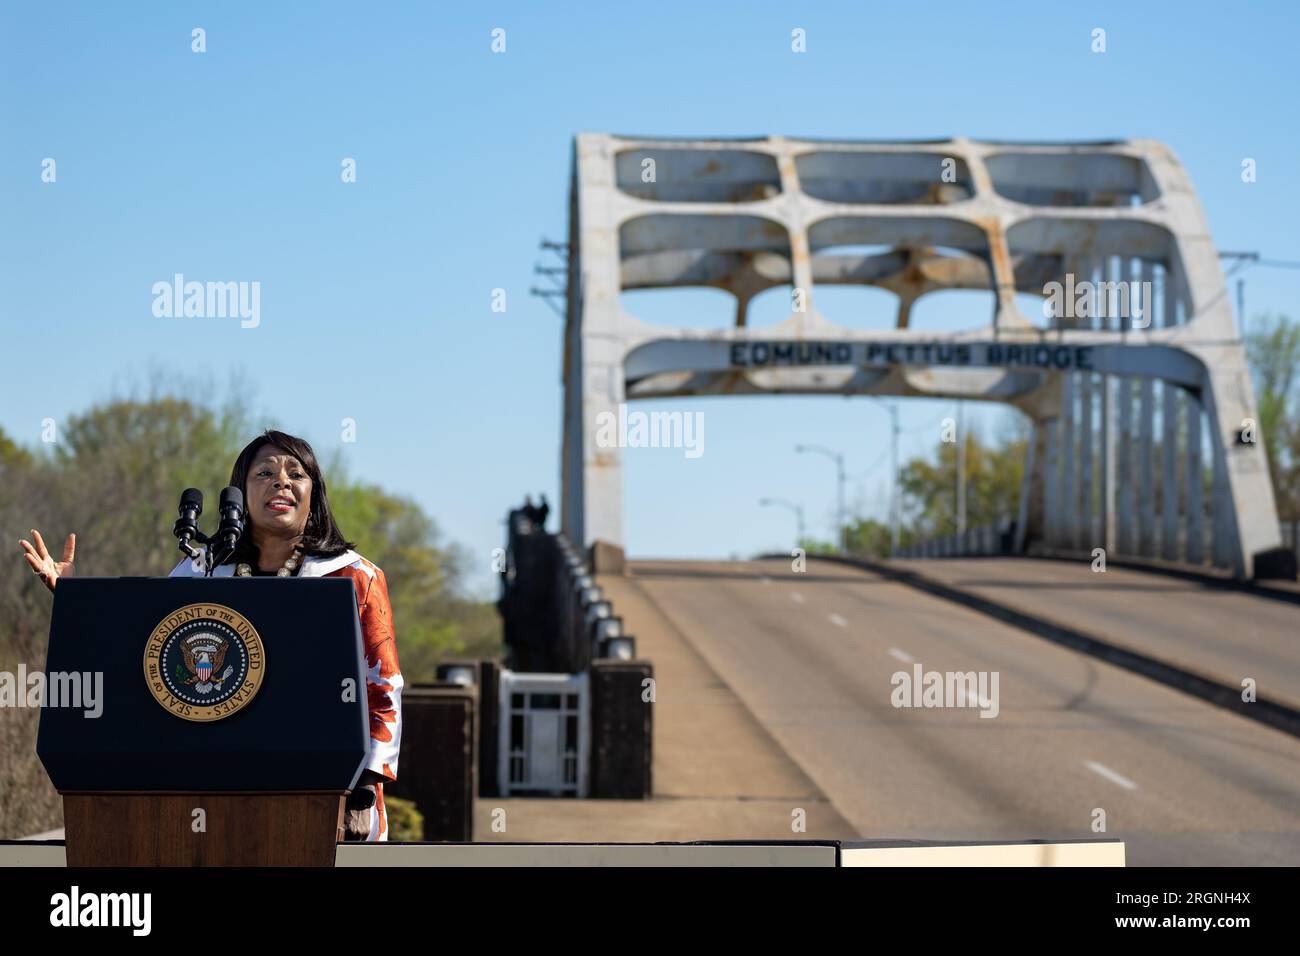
[(867, 354)]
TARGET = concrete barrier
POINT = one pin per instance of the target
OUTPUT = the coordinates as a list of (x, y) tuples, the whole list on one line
[(1108, 853)]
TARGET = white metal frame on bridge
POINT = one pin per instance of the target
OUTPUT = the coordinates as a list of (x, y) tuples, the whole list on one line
[(1124, 412)]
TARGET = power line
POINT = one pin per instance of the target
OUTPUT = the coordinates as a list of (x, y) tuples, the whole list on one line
[(880, 460), (925, 427)]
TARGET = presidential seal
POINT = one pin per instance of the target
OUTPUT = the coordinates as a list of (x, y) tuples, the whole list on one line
[(204, 662)]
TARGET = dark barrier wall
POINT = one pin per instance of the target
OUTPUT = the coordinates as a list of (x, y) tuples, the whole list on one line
[(487, 718), (620, 729), (436, 763), (489, 714), (530, 600)]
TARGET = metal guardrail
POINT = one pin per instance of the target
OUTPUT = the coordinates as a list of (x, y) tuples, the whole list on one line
[(589, 627), (560, 628), (999, 539), (986, 541), (1291, 536)]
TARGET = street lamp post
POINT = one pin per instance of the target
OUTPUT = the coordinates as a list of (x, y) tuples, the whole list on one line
[(961, 467), (798, 514), (894, 496), (839, 494)]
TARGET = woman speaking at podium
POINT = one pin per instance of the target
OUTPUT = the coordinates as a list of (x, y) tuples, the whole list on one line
[(290, 531)]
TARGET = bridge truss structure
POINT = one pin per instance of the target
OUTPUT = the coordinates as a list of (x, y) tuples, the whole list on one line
[(1143, 436)]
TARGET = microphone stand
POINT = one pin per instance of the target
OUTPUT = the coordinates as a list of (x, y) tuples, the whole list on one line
[(231, 528), (218, 548), (226, 548), (195, 553)]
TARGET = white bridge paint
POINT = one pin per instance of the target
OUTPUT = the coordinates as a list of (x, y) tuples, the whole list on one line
[(749, 215)]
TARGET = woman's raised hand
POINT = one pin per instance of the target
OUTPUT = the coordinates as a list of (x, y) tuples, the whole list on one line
[(38, 556)]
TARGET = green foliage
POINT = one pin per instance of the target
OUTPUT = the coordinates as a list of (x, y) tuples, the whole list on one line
[(814, 546), (433, 622), (929, 496), (12, 455), (869, 537), (138, 455), (1273, 347), (405, 823), (993, 477)]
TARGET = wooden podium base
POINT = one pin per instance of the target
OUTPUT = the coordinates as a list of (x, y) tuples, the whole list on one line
[(233, 829)]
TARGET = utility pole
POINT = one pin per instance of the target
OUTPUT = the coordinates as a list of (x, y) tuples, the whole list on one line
[(1243, 259), (895, 493), (798, 514), (961, 467), (839, 493), (556, 275)]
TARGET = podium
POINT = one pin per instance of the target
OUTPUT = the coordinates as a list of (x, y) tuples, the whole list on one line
[(234, 719)]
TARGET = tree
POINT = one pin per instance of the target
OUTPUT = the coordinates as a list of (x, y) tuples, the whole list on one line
[(867, 536), (11, 455), (993, 478), (1273, 349), (433, 620)]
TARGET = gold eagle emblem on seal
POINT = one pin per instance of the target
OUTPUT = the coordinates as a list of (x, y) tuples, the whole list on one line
[(204, 662)]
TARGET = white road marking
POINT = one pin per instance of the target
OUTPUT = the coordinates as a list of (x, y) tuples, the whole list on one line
[(839, 621), (796, 597), (1111, 775), (902, 655), (765, 579)]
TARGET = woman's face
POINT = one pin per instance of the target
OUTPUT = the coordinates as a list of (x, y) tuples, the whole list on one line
[(278, 492)]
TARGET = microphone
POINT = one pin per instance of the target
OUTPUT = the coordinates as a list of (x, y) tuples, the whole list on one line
[(232, 521), (187, 525)]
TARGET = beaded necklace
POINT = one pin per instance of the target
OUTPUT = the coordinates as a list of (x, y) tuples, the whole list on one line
[(286, 571)]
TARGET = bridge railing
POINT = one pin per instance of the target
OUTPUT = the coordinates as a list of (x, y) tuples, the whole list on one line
[(1291, 536), (989, 540), (999, 539), (589, 629), (568, 651)]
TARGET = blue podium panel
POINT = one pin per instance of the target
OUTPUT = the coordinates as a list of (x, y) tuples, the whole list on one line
[(208, 685)]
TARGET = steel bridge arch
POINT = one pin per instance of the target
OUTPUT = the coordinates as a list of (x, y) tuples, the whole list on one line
[(1107, 398)]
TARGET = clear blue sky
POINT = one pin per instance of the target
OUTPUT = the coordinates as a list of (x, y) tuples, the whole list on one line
[(376, 295)]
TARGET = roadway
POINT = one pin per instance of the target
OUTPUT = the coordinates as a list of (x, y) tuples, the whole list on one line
[(1224, 634), (812, 654)]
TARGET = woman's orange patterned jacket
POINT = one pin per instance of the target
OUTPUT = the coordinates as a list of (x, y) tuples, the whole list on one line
[(383, 676)]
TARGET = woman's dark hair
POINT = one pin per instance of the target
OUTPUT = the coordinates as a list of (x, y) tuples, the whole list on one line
[(321, 538)]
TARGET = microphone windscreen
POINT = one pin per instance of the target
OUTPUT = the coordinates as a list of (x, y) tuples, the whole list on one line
[(192, 498), (230, 495)]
